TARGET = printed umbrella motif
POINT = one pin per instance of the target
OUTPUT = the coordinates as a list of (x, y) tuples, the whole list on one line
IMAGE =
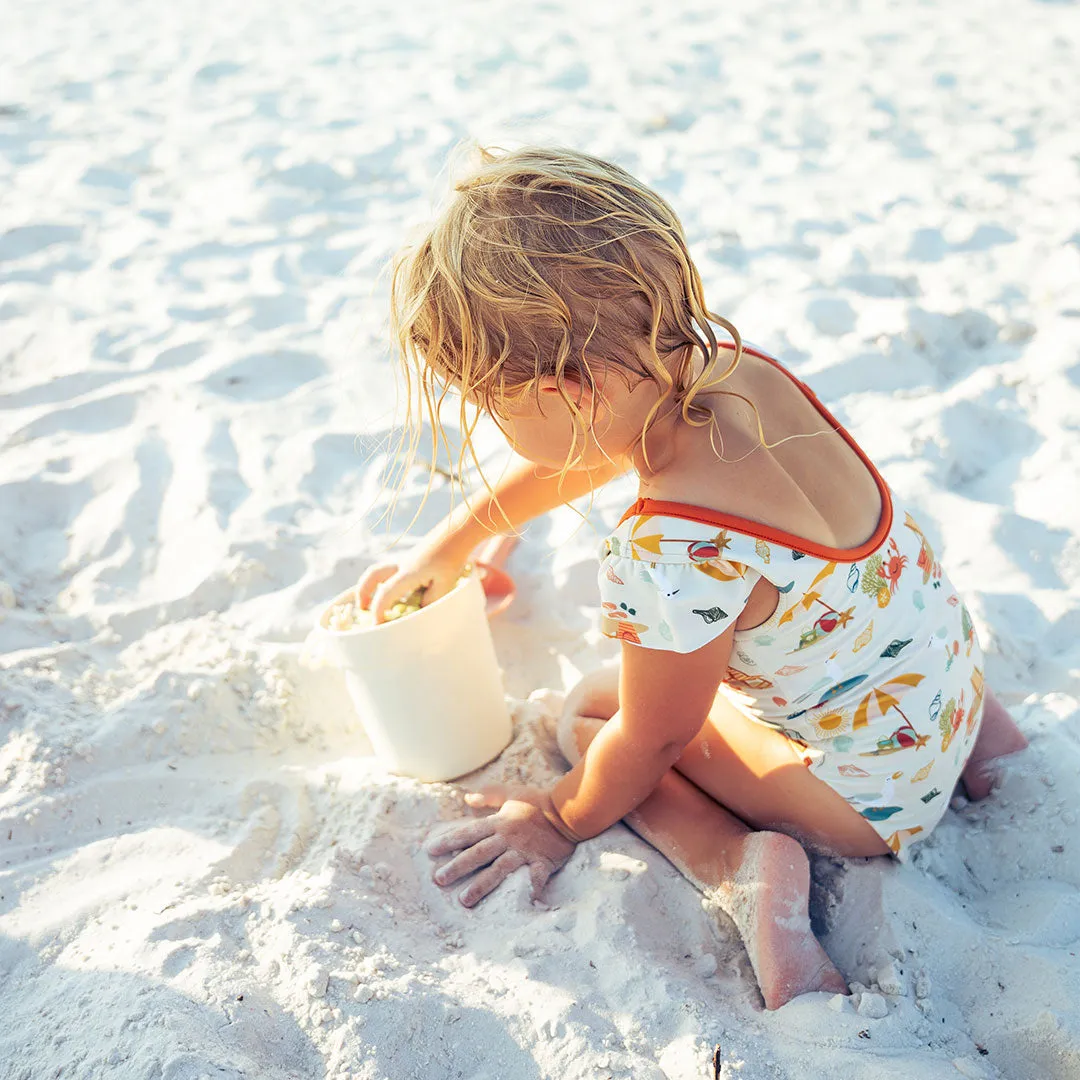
[(885, 697)]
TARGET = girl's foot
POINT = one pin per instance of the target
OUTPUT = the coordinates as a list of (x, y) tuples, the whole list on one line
[(767, 901), (761, 880), (998, 736)]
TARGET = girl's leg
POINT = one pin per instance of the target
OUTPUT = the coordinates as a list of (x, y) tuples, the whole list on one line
[(760, 879), (751, 770), (998, 736), (754, 771)]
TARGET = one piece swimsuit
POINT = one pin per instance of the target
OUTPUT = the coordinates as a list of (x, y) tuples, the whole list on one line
[(869, 664)]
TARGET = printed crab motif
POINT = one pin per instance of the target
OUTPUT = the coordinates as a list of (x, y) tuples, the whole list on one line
[(893, 565), (880, 576)]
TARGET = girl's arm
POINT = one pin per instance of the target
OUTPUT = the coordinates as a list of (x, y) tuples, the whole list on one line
[(524, 491), (664, 699)]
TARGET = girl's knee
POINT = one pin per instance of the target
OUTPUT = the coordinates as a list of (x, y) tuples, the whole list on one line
[(596, 694), (574, 733)]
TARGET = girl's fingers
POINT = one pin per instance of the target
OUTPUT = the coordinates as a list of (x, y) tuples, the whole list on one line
[(480, 854), (491, 878), (493, 796), (386, 592), (461, 835), (371, 579), (539, 873)]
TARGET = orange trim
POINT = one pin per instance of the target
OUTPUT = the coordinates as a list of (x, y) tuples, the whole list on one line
[(760, 531)]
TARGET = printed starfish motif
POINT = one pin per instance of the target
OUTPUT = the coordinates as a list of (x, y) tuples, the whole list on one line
[(921, 741), (722, 541)]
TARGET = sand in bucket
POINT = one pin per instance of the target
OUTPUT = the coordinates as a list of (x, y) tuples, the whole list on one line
[(426, 685)]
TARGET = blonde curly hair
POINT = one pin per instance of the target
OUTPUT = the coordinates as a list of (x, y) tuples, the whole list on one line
[(551, 262)]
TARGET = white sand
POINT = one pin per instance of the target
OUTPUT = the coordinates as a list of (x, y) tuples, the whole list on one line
[(203, 874)]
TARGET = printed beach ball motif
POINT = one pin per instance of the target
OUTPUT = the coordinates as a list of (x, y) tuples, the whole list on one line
[(904, 737), (702, 551)]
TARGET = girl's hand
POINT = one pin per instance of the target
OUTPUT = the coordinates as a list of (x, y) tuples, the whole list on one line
[(387, 582), (518, 835)]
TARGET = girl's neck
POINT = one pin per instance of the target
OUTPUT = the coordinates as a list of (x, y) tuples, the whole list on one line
[(679, 454)]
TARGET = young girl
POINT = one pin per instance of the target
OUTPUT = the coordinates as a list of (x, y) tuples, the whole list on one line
[(797, 670)]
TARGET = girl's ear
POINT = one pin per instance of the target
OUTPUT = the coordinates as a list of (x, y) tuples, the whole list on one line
[(580, 393)]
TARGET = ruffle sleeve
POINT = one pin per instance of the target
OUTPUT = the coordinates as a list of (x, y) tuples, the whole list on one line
[(675, 606)]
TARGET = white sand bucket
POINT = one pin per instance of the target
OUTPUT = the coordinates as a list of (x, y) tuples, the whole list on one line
[(426, 686)]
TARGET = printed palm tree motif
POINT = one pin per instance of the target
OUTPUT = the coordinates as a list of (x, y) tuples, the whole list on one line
[(879, 702), (926, 562), (615, 623), (952, 716)]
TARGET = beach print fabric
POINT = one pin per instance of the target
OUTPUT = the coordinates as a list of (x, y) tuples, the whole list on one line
[(869, 664), (871, 667)]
